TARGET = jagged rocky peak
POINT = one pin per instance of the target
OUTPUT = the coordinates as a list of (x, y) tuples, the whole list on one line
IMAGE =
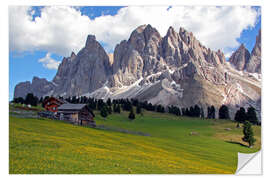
[(39, 87), (240, 58), (72, 56), (254, 63), (174, 69), (86, 72), (171, 51), (142, 35), (172, 37), (22, 88), (187, 37), (221, 56), (136, 57), (90, 40)]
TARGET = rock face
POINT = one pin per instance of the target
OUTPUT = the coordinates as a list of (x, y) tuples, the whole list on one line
[(241, 59), (84, 72), (175, 69), (39, 87), (254, 64)]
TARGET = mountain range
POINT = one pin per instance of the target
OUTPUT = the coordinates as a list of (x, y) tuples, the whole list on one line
[(172, 70)]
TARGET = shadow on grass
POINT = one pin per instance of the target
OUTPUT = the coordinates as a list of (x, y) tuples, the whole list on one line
[(234, 142)]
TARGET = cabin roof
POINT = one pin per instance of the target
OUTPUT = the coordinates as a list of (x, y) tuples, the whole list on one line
[(57, 99), (71, 106)]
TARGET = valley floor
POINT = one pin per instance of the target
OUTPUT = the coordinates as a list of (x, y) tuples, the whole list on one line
[(154, 143)]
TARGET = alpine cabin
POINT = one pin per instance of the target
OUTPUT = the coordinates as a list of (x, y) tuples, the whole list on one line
[(78, 114), (51, 104)]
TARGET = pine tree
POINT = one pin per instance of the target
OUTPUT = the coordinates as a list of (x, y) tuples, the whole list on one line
[(191, 111), (202, 112), (118, 109), (197, 111), (18, 100), (131, 115), (187, 112), (213, 112), (240, 116), (208, 112), (109, 109), (100, 104), (114, 108), (109, 102), (248, 134), (223, 112), (31, 99), (41, 100), (103, 112), (138, 108), (183, 111), (251, 115)]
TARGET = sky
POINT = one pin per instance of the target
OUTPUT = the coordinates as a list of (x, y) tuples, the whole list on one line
[(39, 37)]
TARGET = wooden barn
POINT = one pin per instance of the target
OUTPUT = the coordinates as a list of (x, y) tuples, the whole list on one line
[(78, 114), (51, 104)]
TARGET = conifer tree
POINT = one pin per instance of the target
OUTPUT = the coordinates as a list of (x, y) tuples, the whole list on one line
[(248, 134), (251, 115), (208, 112), (197, 111), (131, 115), (118, 109), (138, 108), (213, 112), (109, 102), (109, 109), (202, 112), (240, 116), (223, 112), (114, 107), (103, 112), (31, 99)]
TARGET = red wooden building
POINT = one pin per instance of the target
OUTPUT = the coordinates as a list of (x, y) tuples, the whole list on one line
[(52, 104)]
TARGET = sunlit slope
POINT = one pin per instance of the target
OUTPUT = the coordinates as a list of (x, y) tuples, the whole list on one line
[(166, 146)]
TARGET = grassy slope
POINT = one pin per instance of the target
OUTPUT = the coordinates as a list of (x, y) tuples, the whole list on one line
[(48, 146)]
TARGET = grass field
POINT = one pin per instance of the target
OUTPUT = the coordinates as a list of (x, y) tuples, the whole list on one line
[(38, 146)]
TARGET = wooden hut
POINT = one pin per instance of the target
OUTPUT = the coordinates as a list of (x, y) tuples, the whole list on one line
[(51, 104), (78, 114)]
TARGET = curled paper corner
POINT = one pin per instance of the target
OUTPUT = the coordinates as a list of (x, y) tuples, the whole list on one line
[(249, 164)]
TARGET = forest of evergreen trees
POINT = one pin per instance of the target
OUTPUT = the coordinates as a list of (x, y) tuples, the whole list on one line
[(116, 105)]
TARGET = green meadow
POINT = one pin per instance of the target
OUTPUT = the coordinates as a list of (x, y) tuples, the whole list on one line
[(154, 143)]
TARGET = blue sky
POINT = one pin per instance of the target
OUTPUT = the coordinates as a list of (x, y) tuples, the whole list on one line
[(29, 44)]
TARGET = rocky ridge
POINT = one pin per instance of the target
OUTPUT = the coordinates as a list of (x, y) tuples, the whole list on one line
[(174, 69)]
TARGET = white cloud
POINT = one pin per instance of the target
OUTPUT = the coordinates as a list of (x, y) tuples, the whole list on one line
[(61, 30), (49, 62)]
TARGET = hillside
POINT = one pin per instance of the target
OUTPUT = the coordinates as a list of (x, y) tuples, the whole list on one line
[(151, 144)]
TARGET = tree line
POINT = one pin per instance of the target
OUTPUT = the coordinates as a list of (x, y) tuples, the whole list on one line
[(116, 105)]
